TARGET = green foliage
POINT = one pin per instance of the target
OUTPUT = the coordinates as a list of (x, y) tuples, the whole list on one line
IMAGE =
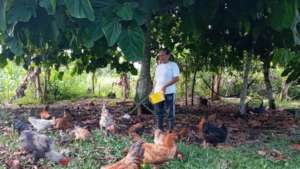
[(21, 11), (49, 5), (282, 14), (112, 30), (80, 9), (131, 41), (2, 15)]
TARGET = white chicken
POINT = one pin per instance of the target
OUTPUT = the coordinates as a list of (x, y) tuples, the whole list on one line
[(106, 120), (40, 124)]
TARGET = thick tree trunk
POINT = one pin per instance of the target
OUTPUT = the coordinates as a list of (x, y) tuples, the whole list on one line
[(266, 67), (284, 90), (243, 97), (193, 86), (144, 83), (216, 81)]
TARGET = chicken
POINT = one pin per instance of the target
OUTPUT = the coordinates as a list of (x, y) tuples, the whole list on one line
[(162, 150), (211, 133), (38, 145), (64, 122), (135, 131), (133, 159), (45, 113), (257, 110), (106, 120), (40, 124), (81, 133)]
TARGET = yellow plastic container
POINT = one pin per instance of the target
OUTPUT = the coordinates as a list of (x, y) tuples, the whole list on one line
[(156, 97)]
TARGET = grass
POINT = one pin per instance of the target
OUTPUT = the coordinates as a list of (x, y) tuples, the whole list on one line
[(91, 154), (282, 104)]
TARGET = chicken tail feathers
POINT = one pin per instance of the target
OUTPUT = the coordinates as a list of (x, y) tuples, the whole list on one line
[(19, 125)]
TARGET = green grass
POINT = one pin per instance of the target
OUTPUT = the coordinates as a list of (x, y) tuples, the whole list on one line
[(92, 154), (282, 104)]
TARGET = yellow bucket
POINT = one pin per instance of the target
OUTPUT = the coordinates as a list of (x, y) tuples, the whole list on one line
[(156, 97)]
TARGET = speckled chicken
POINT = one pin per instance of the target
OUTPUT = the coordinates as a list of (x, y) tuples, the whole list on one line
[(106, 120), (38, 145)]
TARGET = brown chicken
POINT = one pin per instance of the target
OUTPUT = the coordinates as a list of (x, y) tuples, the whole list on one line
[(65, 122), (45, 113), (133, 159), (135, 131), (162, 150)]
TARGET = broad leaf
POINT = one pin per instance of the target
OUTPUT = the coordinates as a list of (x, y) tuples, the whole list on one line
[(15, 46), (2, 15), (49, 5), (91, 33), (282, 14), (132, 43), (139, 17), (80, 9), (21, 10), (126, 10), (112, 30)]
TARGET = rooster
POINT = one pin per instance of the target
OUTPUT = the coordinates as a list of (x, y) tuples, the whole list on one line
[(38, 145), (212, 134), (40, 124), (106, 120), (162, 150), (45, 113), (64, 122), (133, 159)]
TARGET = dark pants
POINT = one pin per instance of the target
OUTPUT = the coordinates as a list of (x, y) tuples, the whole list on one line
[(167, 106)]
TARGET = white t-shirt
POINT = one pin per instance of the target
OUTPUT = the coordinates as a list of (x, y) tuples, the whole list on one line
[(165, 72)]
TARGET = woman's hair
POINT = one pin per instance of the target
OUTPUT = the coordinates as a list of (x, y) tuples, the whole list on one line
[(166, 50)]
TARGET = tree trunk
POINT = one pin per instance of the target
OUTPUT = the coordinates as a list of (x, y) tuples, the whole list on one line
[(215, 92), (46, 82), (186, 88), (144, 83), (93, 82), (266, 67), (247, 68), (37, 83), (31, 75), (193, 86), (284, 90)]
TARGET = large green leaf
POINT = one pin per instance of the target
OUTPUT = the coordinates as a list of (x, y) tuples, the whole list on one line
[(21, 10), (112, 30), (91, 33), (49, 5), (126, 10), (80, 9), (15, 46), (139, 17), (2, 15), (132, 43), (282, 14)]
